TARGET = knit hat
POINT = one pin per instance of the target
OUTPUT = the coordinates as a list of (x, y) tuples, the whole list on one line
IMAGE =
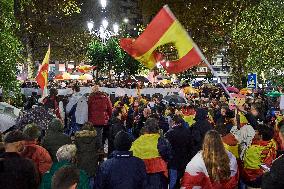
[(55, 124), (31, 132), (14, 136), (122, 141)]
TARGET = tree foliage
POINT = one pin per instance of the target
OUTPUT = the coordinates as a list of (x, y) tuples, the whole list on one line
[(44, 22), (110, 56), (9, 51), (259, 34)]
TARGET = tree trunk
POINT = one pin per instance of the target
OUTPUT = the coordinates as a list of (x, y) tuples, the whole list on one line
[(97, 74), (30, 62)]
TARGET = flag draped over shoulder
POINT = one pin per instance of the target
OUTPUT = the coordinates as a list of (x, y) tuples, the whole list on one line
[(42, 76), (164, 29)]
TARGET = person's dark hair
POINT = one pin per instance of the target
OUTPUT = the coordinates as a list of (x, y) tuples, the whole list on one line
[(117, 111), (266, 132), (31, 132), (122, 141), (53, 92), (76, 88), (273, 178), (221, 128), (154, 115), (152, 125), (65, 177), (177, 119), (34, 93)]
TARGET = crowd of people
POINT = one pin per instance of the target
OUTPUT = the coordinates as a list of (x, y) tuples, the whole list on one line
[(89, 141)]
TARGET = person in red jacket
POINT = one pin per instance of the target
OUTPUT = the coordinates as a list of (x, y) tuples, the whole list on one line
[(36, 153), (100, 111)]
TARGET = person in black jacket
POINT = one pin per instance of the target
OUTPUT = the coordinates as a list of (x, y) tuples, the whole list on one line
[(199, 129), (122, 170), (181, 144), (55, 138), (116, 125), (15, 171), (87, 144)]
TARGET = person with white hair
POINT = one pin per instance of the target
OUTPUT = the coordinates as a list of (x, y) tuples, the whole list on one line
[(66, 156)]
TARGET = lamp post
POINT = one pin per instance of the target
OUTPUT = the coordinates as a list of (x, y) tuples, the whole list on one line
[(103, 3), (103, 32)]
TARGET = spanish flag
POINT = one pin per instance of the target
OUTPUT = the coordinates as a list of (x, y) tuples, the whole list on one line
[(86, 68), (42, 76), (163, 29)]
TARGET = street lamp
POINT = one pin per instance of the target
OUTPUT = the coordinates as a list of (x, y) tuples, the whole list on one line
[(115, 28), (103, 3), (102, 32), (105, 23), (90, 25), (126, 20)]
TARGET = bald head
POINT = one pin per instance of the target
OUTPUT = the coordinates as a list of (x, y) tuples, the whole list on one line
[(95, 89)]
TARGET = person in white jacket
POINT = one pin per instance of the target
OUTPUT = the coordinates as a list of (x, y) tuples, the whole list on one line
[(77, 109)]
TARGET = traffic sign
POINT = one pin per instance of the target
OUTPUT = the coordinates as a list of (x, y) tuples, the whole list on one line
[(252, 81)]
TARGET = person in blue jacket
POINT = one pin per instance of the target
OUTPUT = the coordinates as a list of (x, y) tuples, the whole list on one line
[(122, 170)]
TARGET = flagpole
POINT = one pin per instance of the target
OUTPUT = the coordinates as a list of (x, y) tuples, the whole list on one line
[(211, 68)]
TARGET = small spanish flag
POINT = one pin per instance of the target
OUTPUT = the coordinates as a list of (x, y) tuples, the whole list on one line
[(86, 68), (42, 76), (163, 29)]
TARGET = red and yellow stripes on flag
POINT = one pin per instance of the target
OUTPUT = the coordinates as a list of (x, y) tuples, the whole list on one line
[(42, 76), (163, 29)]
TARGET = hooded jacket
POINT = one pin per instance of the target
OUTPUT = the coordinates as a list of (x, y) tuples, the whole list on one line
[(38, 154), (55, 138), (87, 146), (200, 128), (99, 109), (121, 171), (116, 125)]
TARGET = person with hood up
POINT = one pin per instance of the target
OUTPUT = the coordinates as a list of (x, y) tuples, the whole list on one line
[(199, 129), (181, 143), (33, 151), (116, 125), (99, 112), (66, 156), (55, 138), (77, 109), (122, 170), (86, 142)]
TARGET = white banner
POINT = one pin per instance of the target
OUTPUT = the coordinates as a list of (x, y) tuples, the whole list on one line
[(115, 91)]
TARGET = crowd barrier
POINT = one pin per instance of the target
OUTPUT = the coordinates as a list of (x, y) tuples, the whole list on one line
[(111, 91)]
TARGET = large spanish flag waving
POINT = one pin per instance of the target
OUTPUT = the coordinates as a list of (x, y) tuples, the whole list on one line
[(163, 29), (42, 76)]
